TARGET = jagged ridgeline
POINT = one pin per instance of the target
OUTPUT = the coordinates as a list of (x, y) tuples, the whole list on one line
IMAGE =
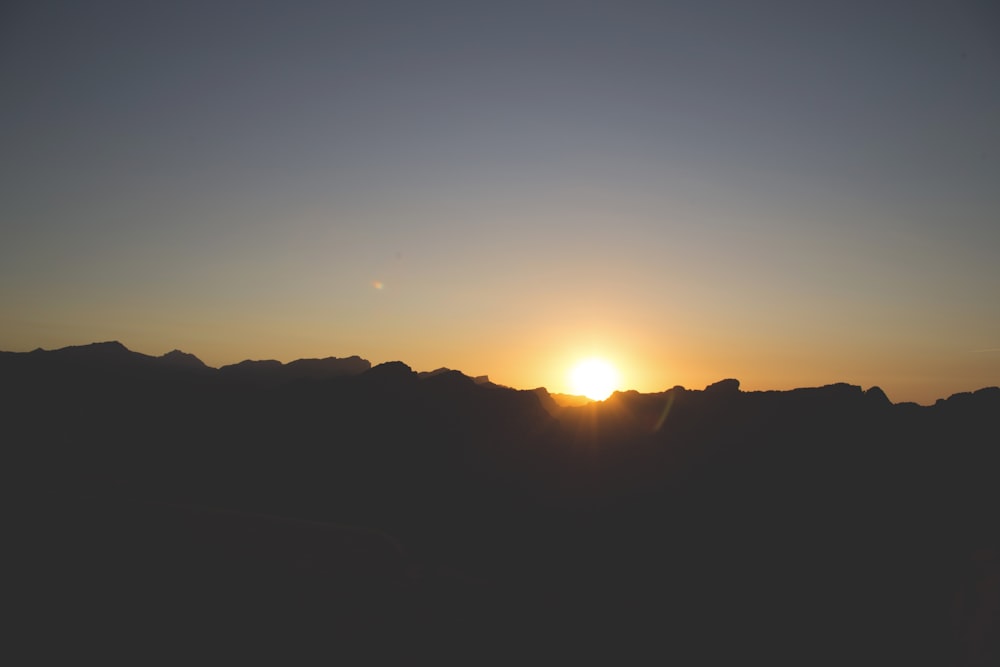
[(805, 524)]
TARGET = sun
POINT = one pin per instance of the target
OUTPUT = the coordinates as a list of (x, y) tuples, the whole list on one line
[(594, 378)]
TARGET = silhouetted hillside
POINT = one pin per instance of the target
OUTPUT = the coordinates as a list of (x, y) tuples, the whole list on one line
[(178, 358), (819, 525), (315, 369)]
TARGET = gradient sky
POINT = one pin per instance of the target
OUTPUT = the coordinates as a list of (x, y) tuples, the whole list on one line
[(789, 193)]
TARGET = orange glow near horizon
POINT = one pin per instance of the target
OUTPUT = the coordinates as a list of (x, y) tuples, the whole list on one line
[(594, 378), (525, 353)]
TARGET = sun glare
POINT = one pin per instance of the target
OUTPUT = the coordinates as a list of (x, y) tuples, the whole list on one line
[(594, 378)]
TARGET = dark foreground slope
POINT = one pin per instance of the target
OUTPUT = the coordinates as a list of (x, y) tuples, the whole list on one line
[(415, 514)]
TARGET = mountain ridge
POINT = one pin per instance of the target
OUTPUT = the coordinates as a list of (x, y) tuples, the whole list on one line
[(116, 354), (717, 518)]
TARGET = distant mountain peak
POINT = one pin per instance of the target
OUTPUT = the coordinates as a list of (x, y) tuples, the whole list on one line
[(727, 386), (107, 347), (877, 396), (390, 369), (252, 365), (106, 351), (108, 344), (179, 358), (450, 379), (436, 371), (327, 367)]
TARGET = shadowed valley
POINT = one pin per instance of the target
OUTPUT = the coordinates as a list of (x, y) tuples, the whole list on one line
[(808, 526)]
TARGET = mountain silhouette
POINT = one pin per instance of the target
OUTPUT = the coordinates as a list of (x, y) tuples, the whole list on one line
[(178, 358), (327, 367), (315, 369), (816, 525)]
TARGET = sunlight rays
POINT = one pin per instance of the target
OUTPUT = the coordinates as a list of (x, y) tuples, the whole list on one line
[(594, 378)]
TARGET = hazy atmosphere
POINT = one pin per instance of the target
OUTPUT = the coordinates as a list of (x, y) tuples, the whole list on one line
[(792, 194)]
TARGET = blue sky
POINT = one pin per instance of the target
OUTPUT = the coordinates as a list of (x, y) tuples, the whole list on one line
[(789, 193)]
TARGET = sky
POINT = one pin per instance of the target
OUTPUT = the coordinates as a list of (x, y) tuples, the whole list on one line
[(789, 193)]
